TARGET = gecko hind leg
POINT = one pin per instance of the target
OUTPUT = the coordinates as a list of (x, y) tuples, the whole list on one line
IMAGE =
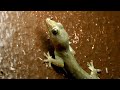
[(94, 72)]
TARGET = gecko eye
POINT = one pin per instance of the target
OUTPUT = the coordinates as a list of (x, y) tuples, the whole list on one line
[(54, 31)]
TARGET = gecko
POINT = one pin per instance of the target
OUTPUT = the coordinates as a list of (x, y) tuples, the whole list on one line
[(64, 54)]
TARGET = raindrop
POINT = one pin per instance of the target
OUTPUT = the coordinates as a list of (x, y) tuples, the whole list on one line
[(76, 47), (46, 77), (99, 59), (40, 58), (12, 69), (94, 40), (24, 52), (81, 30), (1, 44), (108, 57), (93, 47), (118, 26), (1, 59), (88, 40), (108, 22), (106, 69), (46, 65)]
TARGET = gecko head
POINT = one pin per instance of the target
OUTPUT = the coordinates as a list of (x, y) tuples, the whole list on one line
[(53, 26), (57, 33)]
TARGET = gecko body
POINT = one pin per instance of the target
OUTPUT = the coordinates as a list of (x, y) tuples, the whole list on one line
[(64, 54)]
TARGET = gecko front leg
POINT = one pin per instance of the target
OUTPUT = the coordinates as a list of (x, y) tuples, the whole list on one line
[(57, 61), (71, 49)]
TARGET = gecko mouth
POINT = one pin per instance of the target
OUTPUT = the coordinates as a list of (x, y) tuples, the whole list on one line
[(50, 23)]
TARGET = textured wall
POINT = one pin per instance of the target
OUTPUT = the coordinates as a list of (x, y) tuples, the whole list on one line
[(23, 39)]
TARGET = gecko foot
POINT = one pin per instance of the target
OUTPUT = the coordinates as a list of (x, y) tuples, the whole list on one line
[(49, 58), (94, 71)]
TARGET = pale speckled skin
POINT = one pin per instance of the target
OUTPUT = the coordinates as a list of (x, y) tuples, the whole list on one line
[(64, 54)]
